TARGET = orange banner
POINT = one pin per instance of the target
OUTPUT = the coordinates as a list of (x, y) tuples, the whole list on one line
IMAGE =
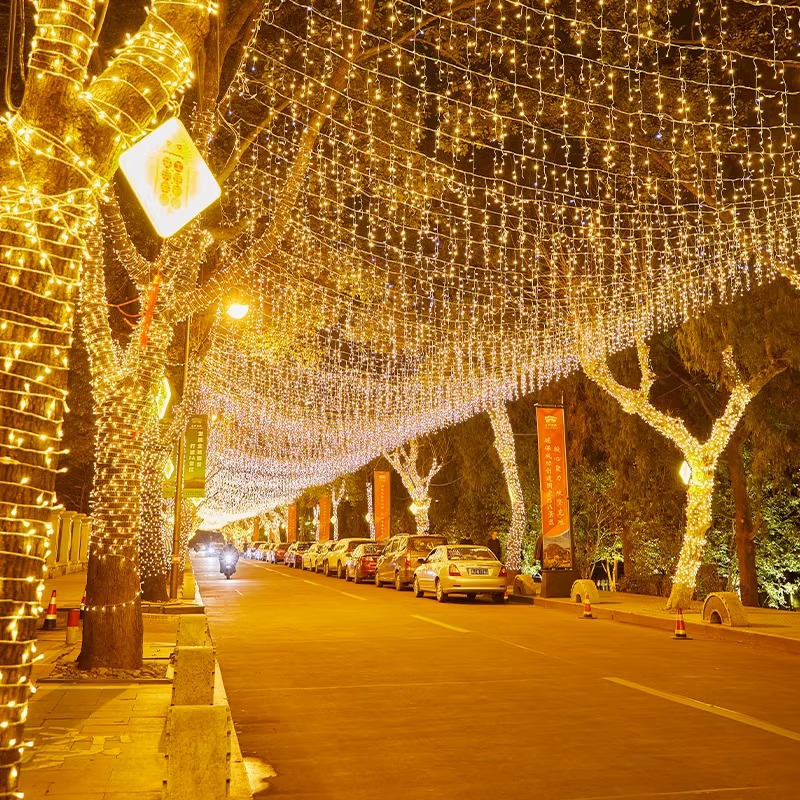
[(291, 524), (382, 507), (554, 488), (325, 517)]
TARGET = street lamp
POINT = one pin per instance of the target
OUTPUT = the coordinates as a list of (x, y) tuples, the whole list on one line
[(237, 310)]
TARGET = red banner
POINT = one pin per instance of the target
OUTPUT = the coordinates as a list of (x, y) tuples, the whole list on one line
[(554, 488), (325, 517), (291, 524), (382, 506)]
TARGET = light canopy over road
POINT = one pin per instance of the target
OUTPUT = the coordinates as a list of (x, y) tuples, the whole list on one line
[(356, 693)]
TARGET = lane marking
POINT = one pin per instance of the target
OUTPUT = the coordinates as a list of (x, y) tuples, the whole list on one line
[(530, 649), (726, 713), (440, 624), (348, 594), (311, 583), (393, 685), (680, 793), (238, 592)]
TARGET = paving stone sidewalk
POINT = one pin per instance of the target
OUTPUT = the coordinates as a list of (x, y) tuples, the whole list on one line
[(103, 741), (768, 627)]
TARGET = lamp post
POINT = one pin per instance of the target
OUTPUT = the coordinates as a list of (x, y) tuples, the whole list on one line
[(237, 309)]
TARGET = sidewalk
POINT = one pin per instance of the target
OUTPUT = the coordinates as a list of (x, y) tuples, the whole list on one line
[(104, 740), (777, 630)]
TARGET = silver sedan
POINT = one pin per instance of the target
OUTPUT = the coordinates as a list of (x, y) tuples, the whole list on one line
[(460, 569)]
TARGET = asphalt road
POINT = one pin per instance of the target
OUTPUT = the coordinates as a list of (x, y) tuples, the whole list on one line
[(357, 693)]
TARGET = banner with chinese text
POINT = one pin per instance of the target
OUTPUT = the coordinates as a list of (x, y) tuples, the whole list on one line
[(194, 471), (325, 517), (554, 488), (291, 523), (382, 508)]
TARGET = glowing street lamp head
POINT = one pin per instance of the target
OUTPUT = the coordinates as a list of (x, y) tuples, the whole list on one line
[(237, 310)]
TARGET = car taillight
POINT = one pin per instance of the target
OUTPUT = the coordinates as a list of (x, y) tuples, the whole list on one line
[(503, 572), (408, 561), (453, 570)]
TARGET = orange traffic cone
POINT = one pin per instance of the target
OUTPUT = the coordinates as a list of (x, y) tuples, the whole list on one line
[(83, 604), (680, 626), (587, 608), (50, 616)]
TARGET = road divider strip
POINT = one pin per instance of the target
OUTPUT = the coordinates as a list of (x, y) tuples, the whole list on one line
[(440, 624), (719, 711)]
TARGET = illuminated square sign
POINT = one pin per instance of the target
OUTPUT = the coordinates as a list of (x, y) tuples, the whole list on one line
[(169, 177)]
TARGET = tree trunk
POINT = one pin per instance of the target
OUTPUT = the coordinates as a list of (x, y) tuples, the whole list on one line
[(504, 444), (153, 554), (745, 547), (112, 627), (698, 521), (421, 516)]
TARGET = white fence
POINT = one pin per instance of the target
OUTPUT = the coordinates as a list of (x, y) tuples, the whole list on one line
[(69, 547)]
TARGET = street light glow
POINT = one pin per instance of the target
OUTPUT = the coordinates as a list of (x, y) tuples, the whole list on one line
[(237, 310)]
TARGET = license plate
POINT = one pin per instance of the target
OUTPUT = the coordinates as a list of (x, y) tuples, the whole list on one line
[(479, 572)]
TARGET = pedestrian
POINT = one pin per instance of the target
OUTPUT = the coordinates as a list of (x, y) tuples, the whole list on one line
[(466, 540), (494, 545)]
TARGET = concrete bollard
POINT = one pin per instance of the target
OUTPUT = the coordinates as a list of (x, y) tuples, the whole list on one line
[(725, 608), (193, 681), (583, 590), (193, 631), (198, 753), (189, 584)]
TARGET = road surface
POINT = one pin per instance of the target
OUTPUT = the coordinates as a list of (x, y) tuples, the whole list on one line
[(357, 693)]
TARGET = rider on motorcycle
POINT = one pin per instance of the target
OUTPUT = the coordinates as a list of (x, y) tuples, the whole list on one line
[(228, 555)]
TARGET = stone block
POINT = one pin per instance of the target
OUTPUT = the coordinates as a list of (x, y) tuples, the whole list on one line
[(557, 582), (193, 631), (198, 753), (584, 589), (724, 608), (193, 681), (524, 585)]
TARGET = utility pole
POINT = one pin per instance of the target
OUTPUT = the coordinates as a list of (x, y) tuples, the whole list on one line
[(175, 570)]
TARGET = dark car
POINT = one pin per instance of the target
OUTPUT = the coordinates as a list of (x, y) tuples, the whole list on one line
[(362, 562), (277, 554), (399, 559), (294, 555), (335, 559)]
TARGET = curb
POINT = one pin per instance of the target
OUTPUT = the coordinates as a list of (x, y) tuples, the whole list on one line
[(698, 630)]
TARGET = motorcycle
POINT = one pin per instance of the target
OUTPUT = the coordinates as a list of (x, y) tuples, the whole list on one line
[(227, 566)]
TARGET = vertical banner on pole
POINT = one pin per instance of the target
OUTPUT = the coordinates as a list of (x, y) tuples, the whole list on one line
[(325, 517), (194, 471), (554, 487), (256, 529), (291, 524), (382, 509)]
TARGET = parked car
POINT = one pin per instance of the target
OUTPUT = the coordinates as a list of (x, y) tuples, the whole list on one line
[(309, 559), (335, 559), (261, 553), (278, 552), (399, 559), (361, 564), (252, 549), (294, 555), (324, 547), (460, 569)]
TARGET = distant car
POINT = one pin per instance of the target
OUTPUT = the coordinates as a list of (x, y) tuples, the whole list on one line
[(322, 552), (262, 554), (309, 558), (399, 559), (294, 555), (361, 564), (461, 569), (335, 560), (252, 548), (277, 553), (207, 543)]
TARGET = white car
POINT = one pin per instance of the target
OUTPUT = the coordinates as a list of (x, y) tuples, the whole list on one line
[(460, 569)]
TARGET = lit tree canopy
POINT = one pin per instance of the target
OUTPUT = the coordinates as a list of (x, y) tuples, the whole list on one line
[(475, 179)]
